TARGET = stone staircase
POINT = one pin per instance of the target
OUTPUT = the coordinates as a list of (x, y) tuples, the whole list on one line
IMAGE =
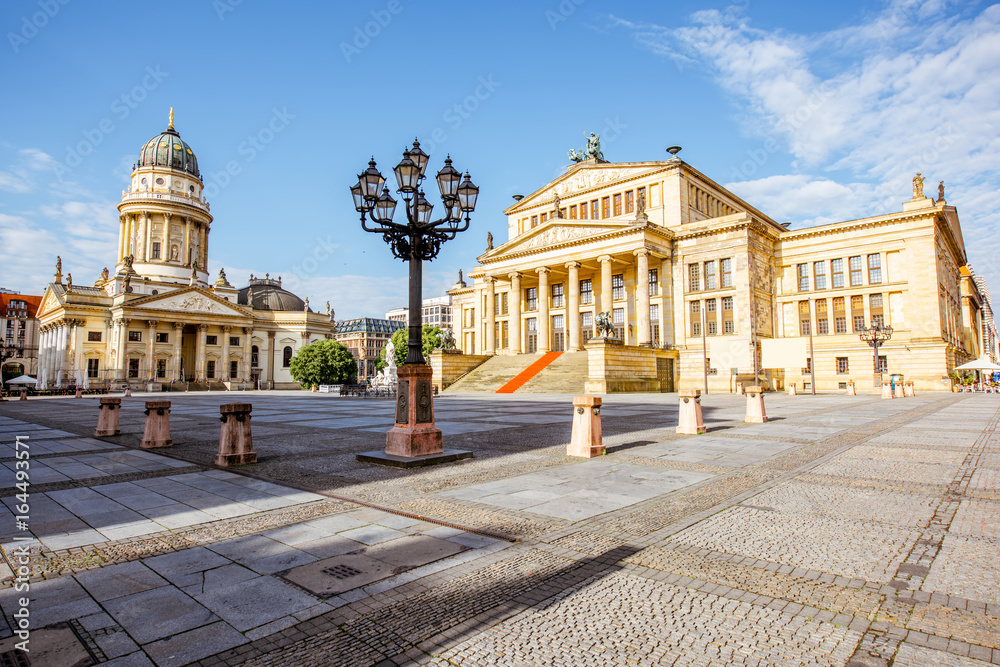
[(565, 375)]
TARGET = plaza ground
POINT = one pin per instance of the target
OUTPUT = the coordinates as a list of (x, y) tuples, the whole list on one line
[(847, 531)]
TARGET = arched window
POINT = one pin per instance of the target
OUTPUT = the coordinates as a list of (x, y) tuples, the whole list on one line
[(286, 357), (254, 357)]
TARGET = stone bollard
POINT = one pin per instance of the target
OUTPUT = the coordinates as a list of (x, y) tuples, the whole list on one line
[(755, 405), (897, 392), (851, 389), (908, 389), (79, 394), (24, 394), (887, 391), (235, 440), (791, 389), (107, 418), (128, 391), (739, 388), (157, 433), (689, 420), (586, 440)]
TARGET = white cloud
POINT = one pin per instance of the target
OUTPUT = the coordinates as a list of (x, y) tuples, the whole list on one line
[(911, 88), (19, 177)]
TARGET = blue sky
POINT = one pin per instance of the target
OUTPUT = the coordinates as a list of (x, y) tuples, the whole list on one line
[(813, 113)]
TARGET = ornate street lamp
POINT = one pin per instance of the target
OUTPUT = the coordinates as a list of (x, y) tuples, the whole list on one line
[(875, 335), (414, 241)]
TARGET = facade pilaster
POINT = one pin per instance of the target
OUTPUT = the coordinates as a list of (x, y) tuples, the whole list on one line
[(605, 261), (543, 310), (199, 364), (165, 238), (491, 315), (247, 357), (515, 313), (270, 359), (121, 365), (151, 349), (186, 260), (642, 336), (147, 230), (666, 303), (176, 362), (122, 237), (573, 306), (224, 372)]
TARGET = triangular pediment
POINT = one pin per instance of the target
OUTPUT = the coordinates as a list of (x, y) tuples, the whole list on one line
[(584, 177), (50, 302), (191, 300), (557, 232)]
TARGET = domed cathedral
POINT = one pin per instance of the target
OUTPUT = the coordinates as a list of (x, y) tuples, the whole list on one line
[(156, 321)]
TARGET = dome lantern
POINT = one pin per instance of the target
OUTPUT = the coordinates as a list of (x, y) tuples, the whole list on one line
[(168, 150)]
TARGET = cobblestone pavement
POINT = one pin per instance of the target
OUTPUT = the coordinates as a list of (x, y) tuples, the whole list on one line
[(847, 531)]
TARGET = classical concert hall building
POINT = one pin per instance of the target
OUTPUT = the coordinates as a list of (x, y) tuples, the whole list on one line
[(690, 271), (156, 318)]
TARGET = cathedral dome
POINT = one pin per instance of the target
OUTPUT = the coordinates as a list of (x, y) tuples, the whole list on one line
[(167, 149), (266, 294)]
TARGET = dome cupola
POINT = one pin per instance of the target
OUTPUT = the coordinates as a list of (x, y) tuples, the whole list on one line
[(167, 149), (267, 294)]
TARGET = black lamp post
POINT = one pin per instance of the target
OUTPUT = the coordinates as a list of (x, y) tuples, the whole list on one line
[(6, 352), (414, 440), (875, 335), (420, 238)]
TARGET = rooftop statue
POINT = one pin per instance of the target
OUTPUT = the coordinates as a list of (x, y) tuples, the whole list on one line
[(918, 186), (592, 151)]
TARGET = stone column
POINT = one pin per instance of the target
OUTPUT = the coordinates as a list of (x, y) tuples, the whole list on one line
[(642, 336), (247, 345), (203, 248), (151, 348), (606, 299), (666, 304), (224, 373), (543, 310), (165, 238), (147, 224), (199, 354), (122, 238), (515, 312), (270, 358), (187, 243), (573, 306), (491, 316), (121, 372)]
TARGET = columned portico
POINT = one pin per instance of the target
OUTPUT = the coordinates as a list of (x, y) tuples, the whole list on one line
[(543, 309), (247, 344), (121, 363), (573, 306), (515, 312)]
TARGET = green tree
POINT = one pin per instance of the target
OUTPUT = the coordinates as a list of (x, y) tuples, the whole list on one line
[(324, 362), (432, 341)]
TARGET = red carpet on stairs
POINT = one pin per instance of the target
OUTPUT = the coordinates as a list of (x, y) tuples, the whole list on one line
[(528, 373)]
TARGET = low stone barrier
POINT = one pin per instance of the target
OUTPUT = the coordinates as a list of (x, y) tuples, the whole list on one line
[(791, 389), (107, 418), (586, 440), (157, 432), (755, 405), (235, 438), (689, 419)]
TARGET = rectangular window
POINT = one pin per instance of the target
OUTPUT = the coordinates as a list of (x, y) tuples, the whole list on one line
[(805, 318), (837, 267), (727, 272), (162, 337), (543, 217), (234, 369), (874, 269), (841, 365), (822, 321), (654, 280), (710, 306), (875, 303), (630, 201), (583, 211), (803, 273), (696, 318), (618, 320), (593, 209), (211, 340), (710, 275), (161, 369), (618, 204), (534, 221), (133, 368), (694, 278), (557, 295), (503, 305), (134, 336), (727, 303), (713, 327), (618, 287), (654, 324), (156, 250), (859, 323), (94, 336), (572, 212), (605, 207), (727, 326), (587, 325), (856, 272), (92, 367), (532, 298), (840, 325), (210, 369), (819, 274), (562, 212), (586, 291), (234, 341), (883, 364)]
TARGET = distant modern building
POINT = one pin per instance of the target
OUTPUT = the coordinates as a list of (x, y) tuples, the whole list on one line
[(991, 341), (366, 337), (19, 332), (437, 313)]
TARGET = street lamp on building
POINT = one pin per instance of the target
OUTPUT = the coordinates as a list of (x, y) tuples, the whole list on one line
[(417, 239), (875, 336)]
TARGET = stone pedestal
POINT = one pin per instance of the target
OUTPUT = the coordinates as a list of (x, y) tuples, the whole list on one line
[(755, 405), (791, 389), (908, 389), (851, 389), (897, 391), (79, 394), (128, 391), (414, 433), (689, 420), (235, 440), (887, 391), (586, 440), (157, 433), (739, 388), (24, 394), (107, 418)]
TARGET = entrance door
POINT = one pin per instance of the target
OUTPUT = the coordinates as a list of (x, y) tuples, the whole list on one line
[(189, 343), (558, 333), (531, 343), (665, 374)]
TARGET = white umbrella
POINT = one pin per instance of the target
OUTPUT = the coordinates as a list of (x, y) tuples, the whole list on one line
[(981, 364), (23, 379)]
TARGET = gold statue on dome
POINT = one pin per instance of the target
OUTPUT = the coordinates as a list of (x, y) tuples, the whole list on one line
[(918, 186), (170, 125)]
